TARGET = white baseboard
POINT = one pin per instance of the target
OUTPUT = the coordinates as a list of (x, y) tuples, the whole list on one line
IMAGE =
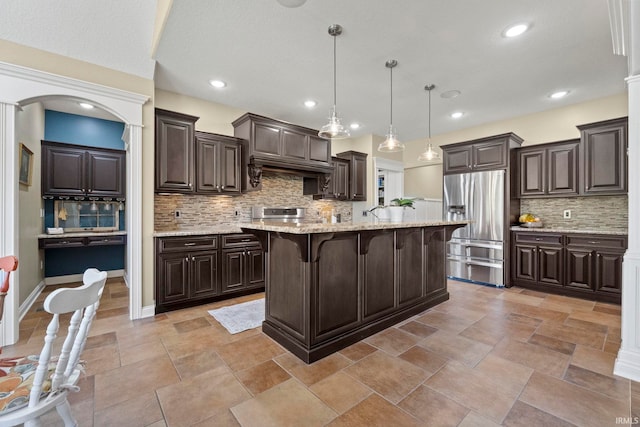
[(26, 305), (73, 278), (627, 365), (148, 311)]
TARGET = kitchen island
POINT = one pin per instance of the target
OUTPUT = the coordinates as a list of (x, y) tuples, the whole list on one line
[(331, 285)]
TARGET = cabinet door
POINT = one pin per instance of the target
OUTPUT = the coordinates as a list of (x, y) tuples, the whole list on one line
[(105, 174), (255, 263), (579, 268), (230, 168), (208, 161), (233, 270), (562, 178), (174, 154), (266, 140), (319, 149), (358, 178), (605, 159), (340, 179), (550, 265), (410, 268), (526, 265), (608, 272), (532, 172), (489, 155), (295, 146), (63, 171), (378, 288), (457, 159), (204, 271), (173, 278)]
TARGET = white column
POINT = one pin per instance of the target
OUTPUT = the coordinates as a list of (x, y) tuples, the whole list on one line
[(133, 139), (9, 217), (628, 360)]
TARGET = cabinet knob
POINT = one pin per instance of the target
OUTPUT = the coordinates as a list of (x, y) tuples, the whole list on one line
[(354, 195), (538, 239), (186, 258), (90, 190), (83, 190), (189, 184)]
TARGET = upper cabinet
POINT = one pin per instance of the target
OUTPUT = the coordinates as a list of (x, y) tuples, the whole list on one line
[(549, 169), (604, 157), (357, 175), (279, 145), (481, 154), (192, 162), (70, 170)]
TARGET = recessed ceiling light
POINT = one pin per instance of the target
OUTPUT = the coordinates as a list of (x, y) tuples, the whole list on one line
[(457, 115), (354, 125), (515, 30), (450, 94), (559, 94), (217, 83), (86, 105), (310, 103)]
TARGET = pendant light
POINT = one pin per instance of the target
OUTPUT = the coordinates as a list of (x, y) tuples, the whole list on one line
[(334, 129), (391, 143), (429, 154)]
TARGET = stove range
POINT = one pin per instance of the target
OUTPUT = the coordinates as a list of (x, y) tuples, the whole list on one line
[(278, 214)]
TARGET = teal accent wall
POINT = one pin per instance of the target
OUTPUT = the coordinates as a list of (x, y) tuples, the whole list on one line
[(81, 130)]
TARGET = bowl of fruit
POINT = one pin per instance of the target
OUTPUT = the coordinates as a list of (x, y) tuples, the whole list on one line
[(529, 220)]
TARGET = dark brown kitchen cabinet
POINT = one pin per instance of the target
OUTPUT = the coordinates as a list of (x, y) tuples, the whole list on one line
[(579, 265), (549, 170), (489, 153), (357, 174), (604, 157), (193, 270), (174, 144), (80, 171), (218, 164), (538, 259)]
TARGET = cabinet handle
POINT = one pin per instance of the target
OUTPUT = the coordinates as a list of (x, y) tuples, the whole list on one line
[(64, 242), (538, 239), (90, 190), (83, 190), (245, 240), (106, 240), (593, 242), (186, 258), (190, 244)]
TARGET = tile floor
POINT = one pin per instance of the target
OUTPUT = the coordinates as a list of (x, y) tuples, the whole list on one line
[(486, 357)]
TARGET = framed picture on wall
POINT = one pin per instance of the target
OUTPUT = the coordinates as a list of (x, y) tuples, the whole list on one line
[(26, 165)]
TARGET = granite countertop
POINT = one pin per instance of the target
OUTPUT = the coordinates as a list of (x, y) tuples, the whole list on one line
[(306, 228), (218, 229), (571, 230), (82, 234)]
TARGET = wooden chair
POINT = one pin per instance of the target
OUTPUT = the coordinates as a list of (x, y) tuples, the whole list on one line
[(7, 264), (37, 384)]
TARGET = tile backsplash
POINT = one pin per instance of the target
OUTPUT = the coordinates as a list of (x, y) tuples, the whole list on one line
[(207, 211), (603, 212)]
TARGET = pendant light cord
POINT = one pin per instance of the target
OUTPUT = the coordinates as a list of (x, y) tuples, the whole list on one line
[(391, 103), (429, 133), (334, 71)]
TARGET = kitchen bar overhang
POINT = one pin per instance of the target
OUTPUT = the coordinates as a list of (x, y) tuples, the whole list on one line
[(331, 285)]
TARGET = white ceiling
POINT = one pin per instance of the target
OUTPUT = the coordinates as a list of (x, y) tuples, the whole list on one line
[(274, 58)]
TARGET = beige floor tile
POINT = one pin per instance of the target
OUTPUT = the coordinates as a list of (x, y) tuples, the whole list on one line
[(94, 341), (553, 344), (491, 330), (541, 313), (391, 377), (199, 363), (191, 324), (287, 404), (523, 415), (445, 321), (418, 329), (357, 351), (456, 347), (200, 397), (139, 411), (533, 356), (222, 418), (475, 420), (314, 372), (262, 377), (194, 341), (521, 299), (101, 359), (572, 334), (393, 341), (509, 376), (590, 326), (375, 411), (607, 308), (567, 304), (614, 387), (594, 360), (572, 403), (473, 389), (249, 352), (433, 408), (597, 317), (146, 350), (425, 359), (340, 392)]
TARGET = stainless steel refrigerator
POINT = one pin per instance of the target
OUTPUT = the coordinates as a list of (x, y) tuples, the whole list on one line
[(475, 253)]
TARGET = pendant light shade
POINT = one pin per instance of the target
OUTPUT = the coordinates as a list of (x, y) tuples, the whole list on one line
[(391, 142), (429, 155), (292, 3), (334, 128)]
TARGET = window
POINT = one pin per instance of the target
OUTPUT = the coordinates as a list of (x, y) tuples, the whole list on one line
[(86, 216)]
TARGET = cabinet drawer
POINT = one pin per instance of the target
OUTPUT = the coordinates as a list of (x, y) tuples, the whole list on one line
[(236, 240), (63, 242), (196, 243), (598, 241), (106, 240), (537, 238)]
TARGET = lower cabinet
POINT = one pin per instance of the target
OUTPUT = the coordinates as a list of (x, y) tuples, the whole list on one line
[(197, 269), (580, 265)]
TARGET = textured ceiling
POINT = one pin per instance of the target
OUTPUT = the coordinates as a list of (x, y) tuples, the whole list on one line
[(273, 58)]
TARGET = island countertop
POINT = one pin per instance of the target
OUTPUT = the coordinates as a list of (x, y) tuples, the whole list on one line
[(312, 228)]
